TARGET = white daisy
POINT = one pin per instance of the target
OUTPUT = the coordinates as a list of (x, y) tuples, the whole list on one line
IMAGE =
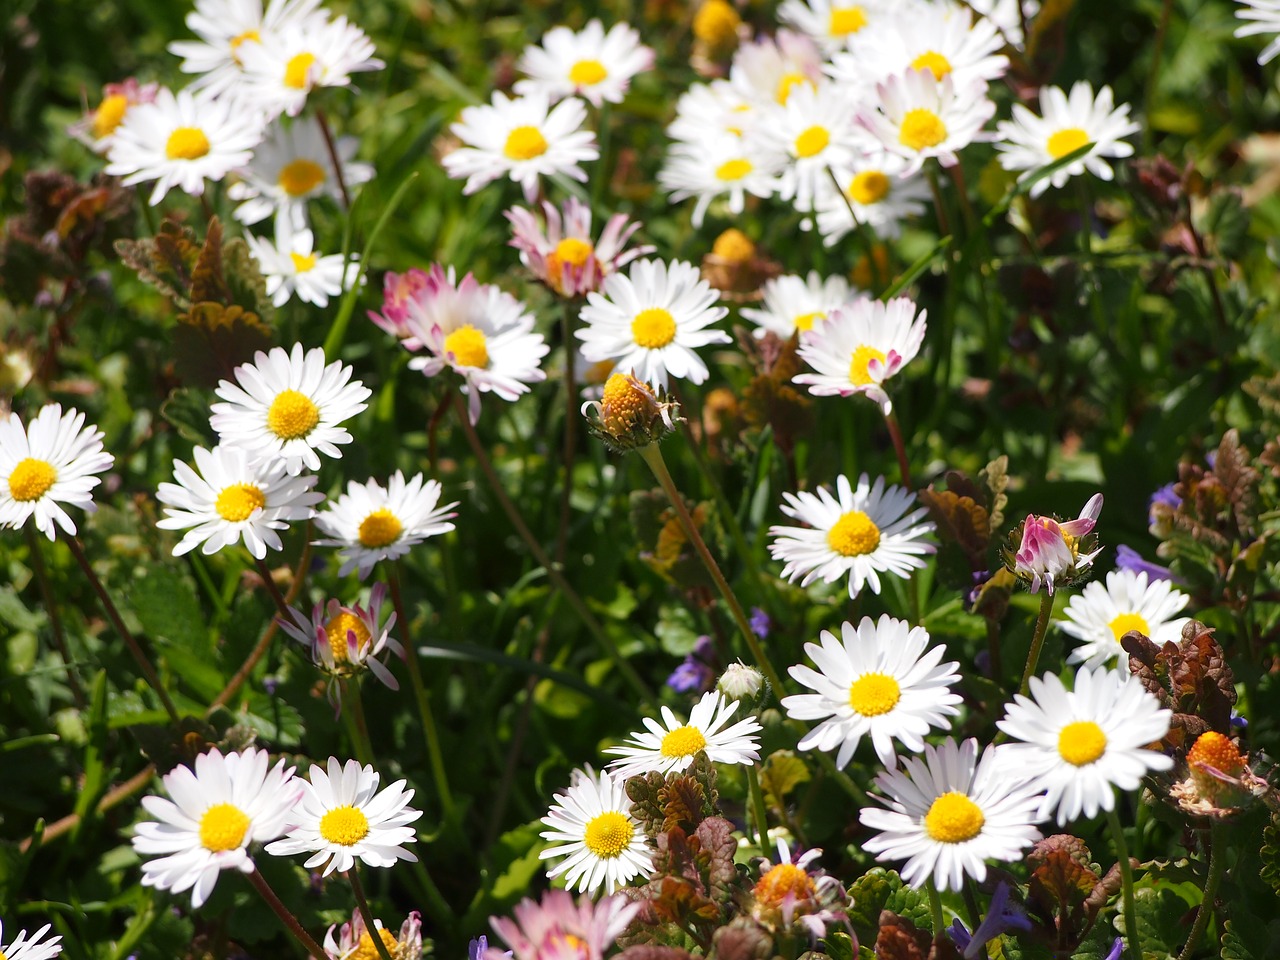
[(524, 138), (813, 133), (862, 533), (343, 641), (1264, 17), (1079, 745), (860, 346), (232, 498), (591, 64), (1099, 616), (96, 129), (650, 320), (719, 165), (181, 141), (343, 816), (286, 406), (482, 333), (291, 166), (216, 811), (949, 813), (371, 522), (917, 117), (709, 109), (833, 23), (797, 304), (30, 948), (877, 681), (591, 824), (1007, 17), (292, 265), (767, 70), (674, 746), (880, 195), (53, 461), (1028, 142)]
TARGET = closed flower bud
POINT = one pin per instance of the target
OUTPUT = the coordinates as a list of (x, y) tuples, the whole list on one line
[(630, 414), (740, 682)]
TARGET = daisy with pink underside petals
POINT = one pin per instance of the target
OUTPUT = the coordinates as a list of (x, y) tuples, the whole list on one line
[(560, 250), (97, 128), (398, 291), (673, 746), (1050, 552), (591, 64), (354, 942), (557, 928), (344, 641), (860, 346), (916, 116)]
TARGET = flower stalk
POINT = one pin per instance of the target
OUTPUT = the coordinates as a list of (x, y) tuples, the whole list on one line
[(1037, 641), (1126, 882), (370, 924), (288, 919)]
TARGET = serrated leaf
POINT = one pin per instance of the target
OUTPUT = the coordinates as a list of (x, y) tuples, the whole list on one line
[(164, 261), (1160, 914), (187, 411), (879, 889), (783, 772), (995, 475), (212, 339)]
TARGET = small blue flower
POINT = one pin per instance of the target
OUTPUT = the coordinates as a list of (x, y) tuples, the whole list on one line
[(1002, 916), (759, 623), (1116, 949), (697, 673), (1128, 558)]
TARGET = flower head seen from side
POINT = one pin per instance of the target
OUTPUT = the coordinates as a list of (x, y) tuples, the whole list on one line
[(672, 745), (33, 947), (949, 812), (561, 251), (917, 116), (880, 681), (293, 267), (592, 827), (355, 942), (794, 304), (399, 290), (1044, 551), (1260, 16), (1070, 121), (1079, 745), (719, 165), (343, 817), (181, 140), (589, 63), (523, 138), (1100, 616), (557, 928), (287, 406), (371, 522), (860, 346), (97, 128), (860, 532), (650, 320), (344, 641), (794, 891), (630, 414), (229, 498), (216, 809), (54, 460)]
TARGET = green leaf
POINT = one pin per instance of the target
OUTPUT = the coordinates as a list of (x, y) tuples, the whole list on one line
[(165, 603), (783, 772), (880, 889), (1160, 913)]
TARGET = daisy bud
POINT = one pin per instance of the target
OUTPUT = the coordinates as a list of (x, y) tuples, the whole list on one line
[(740, 682), (734, 246), (1045, 551), (716, 24), (630, 414)]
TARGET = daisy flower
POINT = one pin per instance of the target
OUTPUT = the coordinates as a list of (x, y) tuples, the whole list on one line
[(291, 166), (482, 333), (860, 346), (1048, 551), (1079, 745), (711, 108), (53, 461), (524, 138), (814, 132), (793, 890), (292, 265), (916, 116), (556, 928), (370, 522), (216, 810), (1263, 17), (719, 165), (354, 942), (950, 812), (24, 948), (343, 641), (561, 252), (1099, 616), (879, 194), (1028, 142), (880, 682), (97, 128), (1007, 17), (795, 304), (832, 23), (862, 533), (591, 824), (591, 64), (674, 746), (650, 321), (286, 406), (767, 70), (398, 290), (233, 498), (182, 140)]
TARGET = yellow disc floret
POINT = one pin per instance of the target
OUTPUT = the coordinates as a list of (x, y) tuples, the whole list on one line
[(344, 826), (921, 128), (222, 827), (734, 246), (109, 114), (1065, 141), (953, 818), (683, 742), (297, 72), (336, 630), (368, 950), (873, 694), (571, 250), (1082, 742), (235, 42), (301, 176), (303, 262), (1129, 621), (468, 346), (782, 881), (811, 142), (846, 20), (587, 73), (524, 143), (238, 501), (734, 169), (716, 23), (653, 328), (608, 834), (1217, 751), (624, 405), (292, 415), (379, 529), (860, 365), (788, 83), (868, 187), (934, 63), (31, 479), (186, 143), (853, 535), (806, 320)]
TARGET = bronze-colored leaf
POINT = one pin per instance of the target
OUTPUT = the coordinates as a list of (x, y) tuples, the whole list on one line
[(165, 261), (898, 939), (1239, 481), (211, 340), (1061, 884), (742, 939), (961, 520), (715, 836), (654, 951), (206, 276), (682, 803)]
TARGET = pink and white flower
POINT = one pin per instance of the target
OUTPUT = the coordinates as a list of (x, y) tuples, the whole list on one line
[(556, 928), (1049, 552), (560, 251)]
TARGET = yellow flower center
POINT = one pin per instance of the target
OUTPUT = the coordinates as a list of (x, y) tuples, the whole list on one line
[(301, 176), (238, 501), (109, 114), (846, 20), (525, 143), (345, 825), (788, 83), (1218, 752), (716, 23), (653, 328), (921, 128), (934, 63), (734, 246), (303, 262), (683, 742), (380, 528), (222, 827), (1126, 622), (806, 320), (1065, 141), (468, 346), (868, 187), (368, 950), (297, 72), (623, 404), (953, 818), (733, 169), (1081, 742), (781, 881), (586, 73), (292, 415), (186, 143), (853, 535), (240, 38), (571, 250), (860, 365), (336, 631), (812, 142), (608, 834), (874, 693), (31, 480)]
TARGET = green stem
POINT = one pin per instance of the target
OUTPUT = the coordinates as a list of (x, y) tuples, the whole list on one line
[(288, 919), (277, 597), (332, 147), (1217, 866), (652, 455), (758, 808), (1037, 641), (895, 434), (843, 779), (55, 620), (873, 268), (1126, 881), (570, 427), (357, 728), (935, 910), (370, 923)]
